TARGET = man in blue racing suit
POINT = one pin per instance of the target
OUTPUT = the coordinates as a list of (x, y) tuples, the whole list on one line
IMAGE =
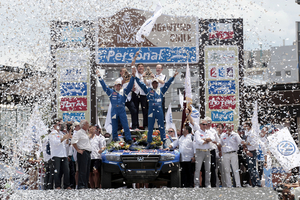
[(155, 96), (118, 98)]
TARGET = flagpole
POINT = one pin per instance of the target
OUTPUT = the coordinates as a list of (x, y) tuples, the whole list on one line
[(183, 113)]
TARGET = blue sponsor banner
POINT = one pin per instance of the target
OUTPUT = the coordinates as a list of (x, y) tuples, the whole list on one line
[(73, 89), (75, 117), (222, 116), (121, 55), (221, 87)]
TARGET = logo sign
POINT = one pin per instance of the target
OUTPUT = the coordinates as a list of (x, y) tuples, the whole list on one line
[(221, 87), (172, 39), (225, 116), (75, 117), (73, 89), (147, 55), (286, 148), (71, 74), (222, 102), (222, 31), (73, 104), (221, 72), (71, 33), (140, 158), (221, 57)]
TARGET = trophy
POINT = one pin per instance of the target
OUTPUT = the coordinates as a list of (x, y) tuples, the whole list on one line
[(149, 74), (126, 76)]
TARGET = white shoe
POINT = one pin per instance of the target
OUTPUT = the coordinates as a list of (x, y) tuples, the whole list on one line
[(196, 186)]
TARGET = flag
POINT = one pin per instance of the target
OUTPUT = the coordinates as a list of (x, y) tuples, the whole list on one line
[(195, 115), (33, 132), (188, 87), (254, 119), (284, 149), (169, 120), (181, 99), (148, 25), (108, 124)]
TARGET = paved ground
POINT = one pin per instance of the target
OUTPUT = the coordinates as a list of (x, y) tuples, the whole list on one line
[(145, 194)]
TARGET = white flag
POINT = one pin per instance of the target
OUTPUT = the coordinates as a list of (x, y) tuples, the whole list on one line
[(254, 120), (195, 115), (181, 99), (108, 124), (169, 120), (188, 87), (284, 149), (148, 25), (33, 132)]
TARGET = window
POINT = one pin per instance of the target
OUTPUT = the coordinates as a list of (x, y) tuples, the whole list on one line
[(278, 73), (287, 73)]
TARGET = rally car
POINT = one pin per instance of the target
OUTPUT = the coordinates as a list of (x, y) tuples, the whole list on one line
[(140, 165)]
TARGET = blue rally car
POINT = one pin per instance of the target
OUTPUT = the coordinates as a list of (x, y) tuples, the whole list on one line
[(140, 165)]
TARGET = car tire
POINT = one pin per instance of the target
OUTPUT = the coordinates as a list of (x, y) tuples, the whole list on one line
[(175, 180), (105, 179)]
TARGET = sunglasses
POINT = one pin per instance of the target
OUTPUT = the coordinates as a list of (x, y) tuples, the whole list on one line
[(204, 124), (170, 131)]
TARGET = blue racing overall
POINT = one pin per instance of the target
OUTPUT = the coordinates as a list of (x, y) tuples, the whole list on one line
[(155, 107), (118, 100)]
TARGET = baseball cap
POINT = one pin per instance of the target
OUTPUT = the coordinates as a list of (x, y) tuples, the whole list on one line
[(118, 82), (154, 80), (75, 124)]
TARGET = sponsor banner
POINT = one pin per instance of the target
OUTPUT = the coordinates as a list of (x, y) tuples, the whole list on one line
[(222, 31), (221, 87), (147, 55), (73, 81), (222, 78), (71, 74), (73, 104), (222, 102), (73, 89), (221, 72), (222, 116), (171, 37), (71, 33), (75, 117)]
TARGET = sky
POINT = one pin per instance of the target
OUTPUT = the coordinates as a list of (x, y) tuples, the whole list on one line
[(25, 25)]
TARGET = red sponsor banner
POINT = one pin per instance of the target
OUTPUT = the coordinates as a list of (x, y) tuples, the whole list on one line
[(73, 104), (222, 102)]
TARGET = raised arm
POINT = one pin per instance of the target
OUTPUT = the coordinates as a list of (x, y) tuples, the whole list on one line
[(142, 85), (134, 59), (106, 89), (168, 83)]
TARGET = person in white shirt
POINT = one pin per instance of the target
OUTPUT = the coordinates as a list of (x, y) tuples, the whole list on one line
[(58, 144), (186, 149), (81, 143), (252, 141), (161, 82), (263, 151), (139, 96), (230, 144), (202, 146), (219, 159), (213, 150), (98, 148), (48, 181)]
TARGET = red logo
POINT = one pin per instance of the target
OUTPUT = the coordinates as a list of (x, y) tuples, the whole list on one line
[(73, 104), (222, 102)]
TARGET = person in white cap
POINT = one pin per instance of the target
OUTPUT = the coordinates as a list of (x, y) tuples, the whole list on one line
[(154, 96), (117, 97)]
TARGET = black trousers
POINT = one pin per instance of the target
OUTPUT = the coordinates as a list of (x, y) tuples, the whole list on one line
[(134, 115), (187, 174), (61, 167), (84, 163), (72, 166), (213, 165), (245, 176), (49, 176), (141, 99)]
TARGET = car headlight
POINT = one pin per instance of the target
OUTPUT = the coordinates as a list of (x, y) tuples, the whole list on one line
[(167, 157), (115, 158)]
